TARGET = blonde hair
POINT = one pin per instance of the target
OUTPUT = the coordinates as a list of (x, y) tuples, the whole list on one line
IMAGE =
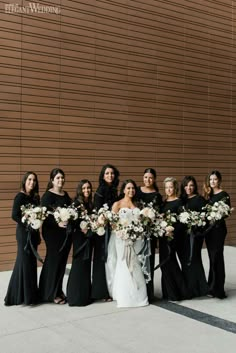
[(174, 182)]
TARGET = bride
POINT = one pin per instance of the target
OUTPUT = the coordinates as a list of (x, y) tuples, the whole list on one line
[(125, 278)]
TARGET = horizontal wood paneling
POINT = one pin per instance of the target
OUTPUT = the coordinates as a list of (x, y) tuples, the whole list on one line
[(137, 83)]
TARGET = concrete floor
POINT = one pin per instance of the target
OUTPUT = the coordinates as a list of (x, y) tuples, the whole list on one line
[(204, 325)]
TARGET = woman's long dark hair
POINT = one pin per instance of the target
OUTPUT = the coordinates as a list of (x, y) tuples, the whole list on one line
[(115, 182), (184, 183), (35, 192), (79, 197), (125, 182), (53, 173), (153, 172), (207, 190)]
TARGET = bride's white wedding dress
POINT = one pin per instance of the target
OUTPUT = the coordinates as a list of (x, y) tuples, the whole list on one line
[(126, 284)]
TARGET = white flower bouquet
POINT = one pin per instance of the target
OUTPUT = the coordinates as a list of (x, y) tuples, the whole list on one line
[(193, 219), (217, 211), (147, 216), (163, 225), (128, 225), (33, 215), (97, 220), (65, 214)]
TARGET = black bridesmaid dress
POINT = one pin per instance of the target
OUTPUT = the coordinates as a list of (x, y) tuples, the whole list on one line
[(104, 195), (22, 288), (193, 269), (172, 280), (58, 243), (215, 246), (156, 199), (79, 281)]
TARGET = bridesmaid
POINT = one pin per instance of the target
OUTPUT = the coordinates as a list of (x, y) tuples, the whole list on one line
[(79, 282), (147, 193), (105, 194), (23, 287), (58, 242), (193, 271), (216, 237), (173, 284)]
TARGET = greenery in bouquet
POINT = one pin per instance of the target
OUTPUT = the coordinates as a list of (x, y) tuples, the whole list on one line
[(148, 216), (163, 225), (192, 219), (97, 221), (128, 225), (217, 211)]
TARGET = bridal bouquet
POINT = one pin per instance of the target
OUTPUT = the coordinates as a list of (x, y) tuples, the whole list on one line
[(33, 216), (65, 214), (217, 211), (97, 220), (192, 219), (128, 225)]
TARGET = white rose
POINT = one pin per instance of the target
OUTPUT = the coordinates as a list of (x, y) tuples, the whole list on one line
[(100, 231), (144, 211), (64, 214), (184, 217), (163, 224), (36, 224), (169, 229), (83, 225), (151, 214), (37, 209)]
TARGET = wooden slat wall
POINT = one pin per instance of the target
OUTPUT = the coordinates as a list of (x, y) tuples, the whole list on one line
[(135, 83)]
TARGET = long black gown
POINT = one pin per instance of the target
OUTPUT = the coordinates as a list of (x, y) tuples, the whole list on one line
[(156, 198), (215, 246), (51, 278), (79, 281), (172, 279), (22, 288), (193, 270), (103, 195)]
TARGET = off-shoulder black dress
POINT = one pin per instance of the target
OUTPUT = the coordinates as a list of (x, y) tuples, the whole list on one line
[(22, 288), (58, 244)]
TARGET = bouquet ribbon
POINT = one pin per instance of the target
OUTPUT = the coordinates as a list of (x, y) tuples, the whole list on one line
[(85, 246), (166, 259), (131, 259), (129, 254), (29, 244), (194, 235), (106, 241), (68, 231), (144, 258)]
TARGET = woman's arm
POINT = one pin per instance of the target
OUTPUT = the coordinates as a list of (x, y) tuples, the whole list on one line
[(98, 199), (116, 207), (16, 208)]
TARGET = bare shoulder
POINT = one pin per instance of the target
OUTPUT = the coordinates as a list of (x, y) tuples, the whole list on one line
[(116, 206)]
